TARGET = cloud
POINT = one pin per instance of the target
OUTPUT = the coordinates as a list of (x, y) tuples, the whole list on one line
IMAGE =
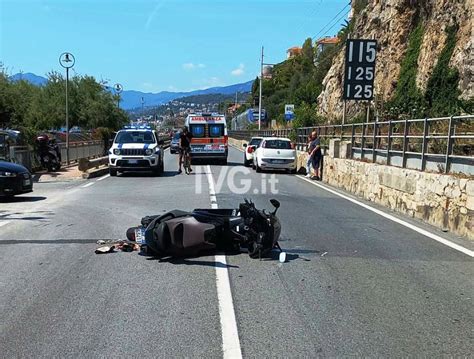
[(190, 66), (239, 71), (151, 17)]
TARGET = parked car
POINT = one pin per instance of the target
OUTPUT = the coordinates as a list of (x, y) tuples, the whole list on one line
[(275, 153), (250, 150), (174, 145), (14, 179)]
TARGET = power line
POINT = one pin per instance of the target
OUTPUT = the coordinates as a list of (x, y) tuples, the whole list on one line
[(342, 17), (330, 21)]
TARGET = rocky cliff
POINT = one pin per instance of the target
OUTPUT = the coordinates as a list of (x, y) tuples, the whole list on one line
[(391, 22)]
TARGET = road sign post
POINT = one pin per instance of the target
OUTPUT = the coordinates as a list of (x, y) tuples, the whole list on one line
[(289, 112), (67, 61), (118, 90)]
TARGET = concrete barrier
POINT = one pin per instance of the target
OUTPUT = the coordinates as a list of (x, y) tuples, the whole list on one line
[(86, 164)]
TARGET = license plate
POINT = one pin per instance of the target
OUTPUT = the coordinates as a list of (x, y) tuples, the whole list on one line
[(140, 235), (27, 182), (133, 162)]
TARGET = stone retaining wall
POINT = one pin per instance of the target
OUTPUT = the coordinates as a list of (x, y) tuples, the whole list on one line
[(444, 201)]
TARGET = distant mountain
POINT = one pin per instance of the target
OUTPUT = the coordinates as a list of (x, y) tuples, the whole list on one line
[(32, 78), (132, 99)]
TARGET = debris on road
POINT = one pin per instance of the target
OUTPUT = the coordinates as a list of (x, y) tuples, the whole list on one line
[(124, 246), (104, 249), (323, 254)]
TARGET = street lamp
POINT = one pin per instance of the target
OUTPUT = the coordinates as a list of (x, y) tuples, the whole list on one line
[(118, 90), (67, 61)]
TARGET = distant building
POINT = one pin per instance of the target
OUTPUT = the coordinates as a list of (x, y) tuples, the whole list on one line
[(233, 107), (324, 43), (293, 51)]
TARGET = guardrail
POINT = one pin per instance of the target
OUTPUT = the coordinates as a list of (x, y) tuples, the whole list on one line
[(444, 144), (28, 158), (80, 150)]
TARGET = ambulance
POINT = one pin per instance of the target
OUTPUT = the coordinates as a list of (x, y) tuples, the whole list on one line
[(210, 138)]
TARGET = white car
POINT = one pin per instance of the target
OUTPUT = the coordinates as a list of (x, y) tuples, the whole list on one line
[(136, 149), (275, 153), (250, 150)]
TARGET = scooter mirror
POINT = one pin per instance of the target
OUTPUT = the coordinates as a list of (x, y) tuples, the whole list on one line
[(275, 203)]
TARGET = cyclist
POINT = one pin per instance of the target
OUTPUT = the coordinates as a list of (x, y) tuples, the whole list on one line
[(184, 146)]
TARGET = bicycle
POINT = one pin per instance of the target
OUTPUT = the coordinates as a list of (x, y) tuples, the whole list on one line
[(186, 161)]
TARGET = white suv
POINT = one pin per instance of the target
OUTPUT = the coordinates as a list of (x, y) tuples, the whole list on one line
[(136, 149)]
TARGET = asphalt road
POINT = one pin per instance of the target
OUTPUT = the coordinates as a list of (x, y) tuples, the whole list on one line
[(355, 284)]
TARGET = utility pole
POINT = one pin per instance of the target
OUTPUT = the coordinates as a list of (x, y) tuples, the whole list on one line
[(260, 93)]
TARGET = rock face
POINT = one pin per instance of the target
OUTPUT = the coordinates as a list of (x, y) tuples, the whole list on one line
[(391, 22)]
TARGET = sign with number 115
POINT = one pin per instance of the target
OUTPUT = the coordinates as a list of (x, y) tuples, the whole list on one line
[(360, 69)]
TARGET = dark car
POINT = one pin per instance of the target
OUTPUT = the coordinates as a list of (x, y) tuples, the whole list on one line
[(14, 179), (174, 146)]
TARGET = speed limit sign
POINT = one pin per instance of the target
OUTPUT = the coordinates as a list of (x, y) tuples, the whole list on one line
[(360, 69)]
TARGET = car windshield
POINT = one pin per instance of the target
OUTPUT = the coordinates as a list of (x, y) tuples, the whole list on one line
[(278, 144), (135, 137)]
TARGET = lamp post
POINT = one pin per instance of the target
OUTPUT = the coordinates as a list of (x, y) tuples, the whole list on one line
[(260, 90), (118, 90), (67, 61)]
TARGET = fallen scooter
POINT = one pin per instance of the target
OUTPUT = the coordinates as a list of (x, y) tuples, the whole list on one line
[(188, 234)]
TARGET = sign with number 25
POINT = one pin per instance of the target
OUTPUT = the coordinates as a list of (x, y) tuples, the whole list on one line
[(360, 69)]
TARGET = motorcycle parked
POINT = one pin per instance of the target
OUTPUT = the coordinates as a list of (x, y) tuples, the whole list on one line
[(182, 234), (49, 153)]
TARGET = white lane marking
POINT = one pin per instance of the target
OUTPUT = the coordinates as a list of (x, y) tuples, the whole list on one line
[(103, 178), (395, 219), (87, 185), (3, 223), (230, 333)]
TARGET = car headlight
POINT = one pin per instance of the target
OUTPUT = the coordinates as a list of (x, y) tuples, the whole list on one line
[(148, 152), (116, 151), (7, 174)]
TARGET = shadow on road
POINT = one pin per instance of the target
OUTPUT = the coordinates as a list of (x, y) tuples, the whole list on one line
[(149, 174), (17, 199), (194, 262)]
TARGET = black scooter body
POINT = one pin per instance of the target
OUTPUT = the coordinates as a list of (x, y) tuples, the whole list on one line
[(183, 234)]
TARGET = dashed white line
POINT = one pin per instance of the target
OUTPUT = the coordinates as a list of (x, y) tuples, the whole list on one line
[(88, 184), (230, 335), (103, 178), (395, 219)]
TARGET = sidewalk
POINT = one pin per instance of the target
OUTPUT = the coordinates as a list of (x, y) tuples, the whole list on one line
[(65, 174)]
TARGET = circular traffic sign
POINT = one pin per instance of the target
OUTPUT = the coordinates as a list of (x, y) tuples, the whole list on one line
[(118, 88), (67, 60)]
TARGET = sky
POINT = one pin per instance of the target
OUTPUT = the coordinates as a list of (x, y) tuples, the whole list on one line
[(159, 45)]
